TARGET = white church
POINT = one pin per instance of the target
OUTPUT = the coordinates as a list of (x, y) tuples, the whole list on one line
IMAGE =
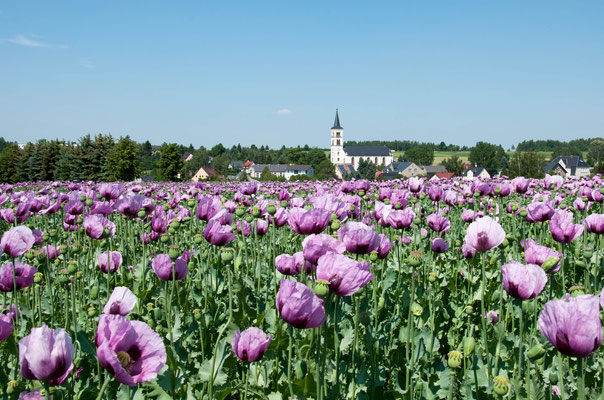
[(347, 158)]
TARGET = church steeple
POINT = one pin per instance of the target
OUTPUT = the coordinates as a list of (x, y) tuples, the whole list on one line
[(336, 122)]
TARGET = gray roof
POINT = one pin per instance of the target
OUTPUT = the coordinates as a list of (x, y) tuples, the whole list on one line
[(237, 164), (432, 169), (281, 167), (361, 151), (571, 162), (336, 122), (389, 175), (346, 169), (398, 166), (475, 170)]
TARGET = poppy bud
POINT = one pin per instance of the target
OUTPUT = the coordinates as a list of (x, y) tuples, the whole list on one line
[(164, 239), (535, 352), (432, 276), (94, 293), (523, 213), (588, 252), (91, 311), (373, 256), (175, 224), (550, 263), (191, 203), (197, 315), (271, 209), (417, 309), (11, 386), (454, 360), (335, 225), (248, 218), (501, 385), (255, 212), (166, 207), (38, 277), (468, 345), (72, 268), (301, 369), (381, 303)]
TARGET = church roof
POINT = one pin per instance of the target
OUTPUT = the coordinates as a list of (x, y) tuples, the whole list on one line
[(336, 122), (359, 151)]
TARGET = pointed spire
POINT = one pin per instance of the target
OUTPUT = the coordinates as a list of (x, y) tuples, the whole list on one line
[(336, 123)]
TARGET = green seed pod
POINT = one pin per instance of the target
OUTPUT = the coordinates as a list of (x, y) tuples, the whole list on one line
[(381, 303), (63, 278), (301, 369), (581, 263), (523, 213), (505, 243), (248, 218), (198, 239), (227, 255), (173, 252), (91, 311), (454, 360), (166, 207), (171, 230), (501, 385), (535, 352), (72, 268), (271, 209), (335, 225), (94, 293), (361, 193), (588, 252), (387, 201), (175, 224), (191, 203), (373, 256), (468, 345), (321, 288), (38, 277), (164, 239), (11, 386), (432, 276), (255, 212)]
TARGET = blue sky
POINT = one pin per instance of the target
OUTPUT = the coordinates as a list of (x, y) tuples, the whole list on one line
[(274, 72)]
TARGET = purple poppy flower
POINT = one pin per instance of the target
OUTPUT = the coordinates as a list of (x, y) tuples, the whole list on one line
[(249, 188), (39, 237), (306, 222), (384, 247), (415, 184), (110, 264), (291, 265), (223, 216), (435, 192), (484, 234), (23, 276), (438, 223), (110, 191), (521, 281), (344, 275), (159, 223), (130, 206), (315, 246), (208, 207), (400, 219), (602, 298), (33, 395), (51, 252), (6, 326), (562, 228), (73, 207), (251, 344), (439, 245), (358, 238), (130, 350), (243, 227), (96, 226), (539, 212), (121, 302), (281, 216), (261, 227), (468, 251), (218, 234), (16, 241), (284, 195), (492, 316), (298, 305), (572, 325), (534, 253), (22, 212), (594, 223), (166, 269), (520, 184), (46, 355)]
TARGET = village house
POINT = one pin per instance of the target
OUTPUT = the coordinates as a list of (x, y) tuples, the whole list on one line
[(567, 166), (475, 172), (352, 155), (284, 170), (432, 170), (187, 157), (405, 168), (205, 173)]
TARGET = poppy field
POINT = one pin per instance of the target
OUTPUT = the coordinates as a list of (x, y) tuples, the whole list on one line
[(405, 289)]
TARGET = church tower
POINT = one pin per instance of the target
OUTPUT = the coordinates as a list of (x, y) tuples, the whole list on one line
[(337, 141)]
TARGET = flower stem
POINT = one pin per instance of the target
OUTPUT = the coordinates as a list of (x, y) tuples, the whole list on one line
[(581, 382), (560, 376), (289, 361)]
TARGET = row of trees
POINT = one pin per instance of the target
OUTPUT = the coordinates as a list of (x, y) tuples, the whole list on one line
[(103, 158)]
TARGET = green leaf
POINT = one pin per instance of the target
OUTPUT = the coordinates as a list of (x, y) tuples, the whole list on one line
[(206, 372), (85, 344)]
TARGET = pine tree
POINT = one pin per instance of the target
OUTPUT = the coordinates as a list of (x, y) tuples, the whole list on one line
[(122, 160), (170, 162)]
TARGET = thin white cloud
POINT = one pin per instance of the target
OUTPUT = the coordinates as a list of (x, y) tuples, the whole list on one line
[(283, 111), (32, 41), (87, 64)]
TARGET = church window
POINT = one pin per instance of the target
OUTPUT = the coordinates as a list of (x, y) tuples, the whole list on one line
[(376, 161), (338, 141)]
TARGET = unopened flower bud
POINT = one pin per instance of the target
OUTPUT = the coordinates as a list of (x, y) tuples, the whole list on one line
[(454, 360), (417, 309), (468, 345), (321, 288), (550, 263), (301, 369), (535, 352), (501, 385), (91, 311), (576, 290)]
